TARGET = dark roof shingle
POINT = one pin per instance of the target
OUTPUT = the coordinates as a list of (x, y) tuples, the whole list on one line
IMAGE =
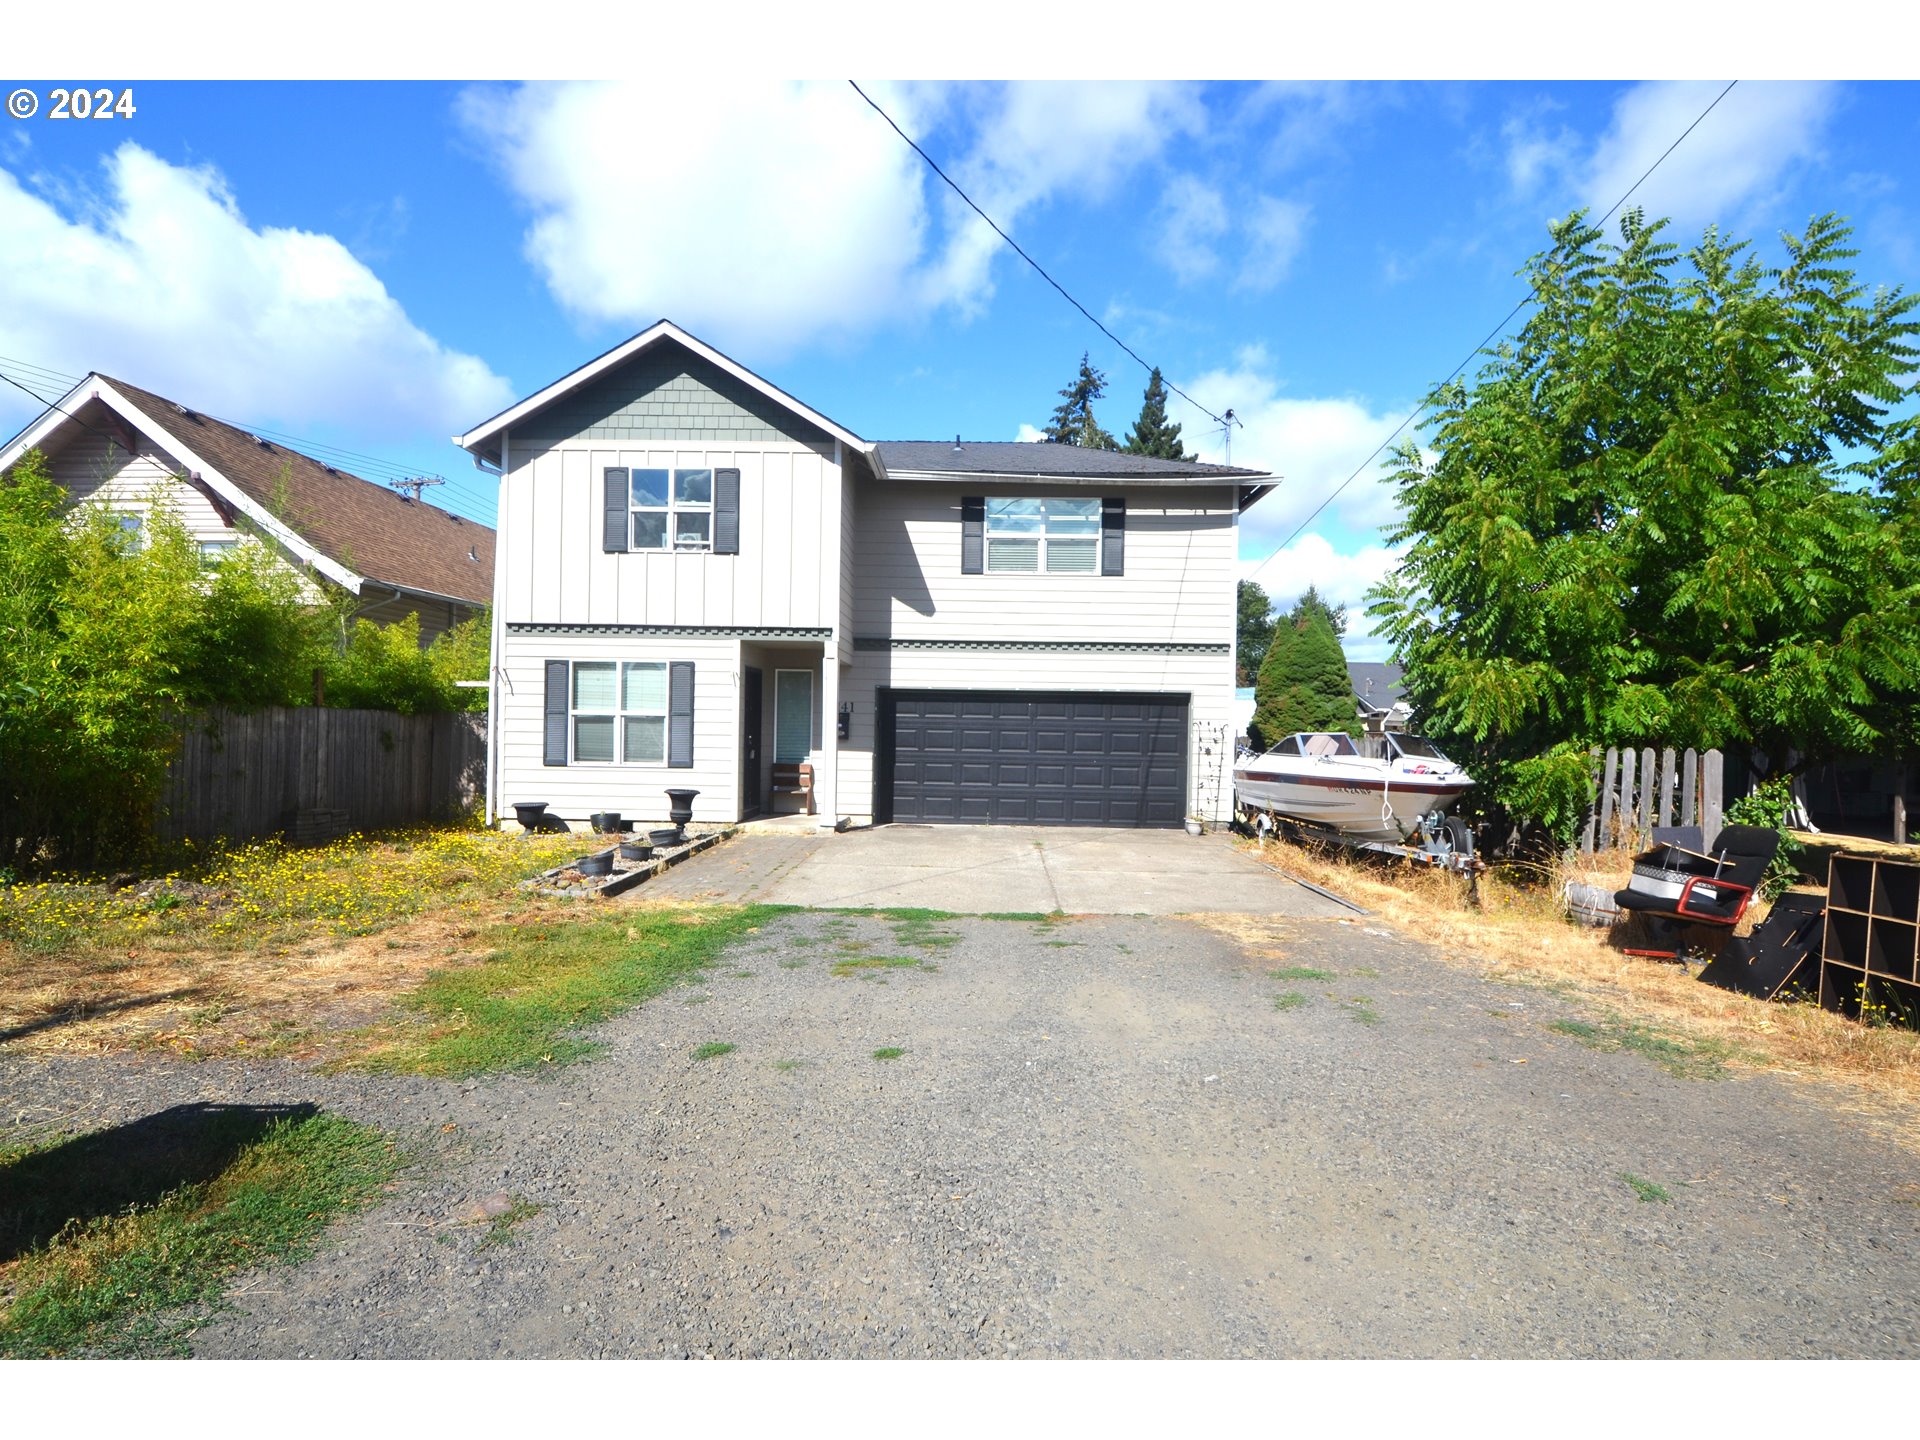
[(368, 528), (1041, 458)]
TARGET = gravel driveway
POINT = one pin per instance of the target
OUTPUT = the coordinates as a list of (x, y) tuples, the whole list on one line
[(1103, 1138)]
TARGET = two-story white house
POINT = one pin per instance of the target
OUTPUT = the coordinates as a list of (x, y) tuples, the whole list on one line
[(702, 580)]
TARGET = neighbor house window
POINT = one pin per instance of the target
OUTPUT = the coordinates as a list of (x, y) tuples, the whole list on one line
[(212, 552), (130, 530), (672, 509), (1029, 535), (619, 713)]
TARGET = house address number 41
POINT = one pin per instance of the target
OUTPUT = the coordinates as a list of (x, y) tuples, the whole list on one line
[(74, 104)]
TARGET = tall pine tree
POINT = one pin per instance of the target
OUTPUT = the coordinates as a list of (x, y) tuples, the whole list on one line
[(1152, 434), (1073, 422)]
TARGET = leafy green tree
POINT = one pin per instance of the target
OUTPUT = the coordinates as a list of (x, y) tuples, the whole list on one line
[(462, 653), (1303, 684), (258, 636), (94, 639), (384, 667), (1152, 433), (1671, 510), (1253, 631), (1073, 422)]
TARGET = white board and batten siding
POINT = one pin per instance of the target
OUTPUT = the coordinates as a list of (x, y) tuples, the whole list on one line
[(638, 792), (555, 569)]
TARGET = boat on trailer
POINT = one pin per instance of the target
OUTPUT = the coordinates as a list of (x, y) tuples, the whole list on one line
[(1321, 783)]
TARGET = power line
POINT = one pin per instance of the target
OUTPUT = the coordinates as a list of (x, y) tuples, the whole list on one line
[(1026, 257), (1421, 409)]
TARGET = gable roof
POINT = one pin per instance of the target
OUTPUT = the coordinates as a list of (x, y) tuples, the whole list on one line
[(1044, 460), (484, 439), (352, 530), (1378, 684)]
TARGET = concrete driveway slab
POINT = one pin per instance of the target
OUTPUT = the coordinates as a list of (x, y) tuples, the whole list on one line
[(995, 869)]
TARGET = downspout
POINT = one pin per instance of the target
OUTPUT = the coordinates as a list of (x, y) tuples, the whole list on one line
[(491, 806)]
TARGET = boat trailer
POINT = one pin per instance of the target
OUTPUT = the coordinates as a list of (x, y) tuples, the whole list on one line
[(1438, 840)]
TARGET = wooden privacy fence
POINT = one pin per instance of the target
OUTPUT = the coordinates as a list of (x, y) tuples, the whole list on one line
[(1629, 801), (312, 773)]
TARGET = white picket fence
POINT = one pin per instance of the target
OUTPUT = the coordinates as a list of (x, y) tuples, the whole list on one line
[(1629, 802)]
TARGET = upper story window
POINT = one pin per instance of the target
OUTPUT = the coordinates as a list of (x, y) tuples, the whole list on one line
[(619, 713), (672, 509), (1028, 535), (130, 530)]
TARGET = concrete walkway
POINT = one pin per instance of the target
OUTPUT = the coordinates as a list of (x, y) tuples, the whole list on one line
[(993, 869)]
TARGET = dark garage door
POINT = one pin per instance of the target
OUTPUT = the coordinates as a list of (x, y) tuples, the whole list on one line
[(1036, 758)]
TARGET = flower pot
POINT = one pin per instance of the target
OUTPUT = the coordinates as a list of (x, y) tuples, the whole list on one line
[(1194, 827), (605, 822), (601, 864), (668, 836), (680, 809), (529, 813), (635, 850)]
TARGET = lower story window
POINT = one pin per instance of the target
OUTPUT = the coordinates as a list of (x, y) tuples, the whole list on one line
[(619, 712)]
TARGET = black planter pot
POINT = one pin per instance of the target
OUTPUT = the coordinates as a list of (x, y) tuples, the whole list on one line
[(670, 835), (680, 809), (606, 822), (601, 864), (530, 813), (635, 850)]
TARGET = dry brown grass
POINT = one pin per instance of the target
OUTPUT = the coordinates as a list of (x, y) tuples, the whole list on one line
[(1517, 932)]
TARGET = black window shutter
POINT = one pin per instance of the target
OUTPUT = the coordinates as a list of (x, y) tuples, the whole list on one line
[(680, 715), (1113, 535), (556, 727), (726, 512), (614, 532), (973, 534)]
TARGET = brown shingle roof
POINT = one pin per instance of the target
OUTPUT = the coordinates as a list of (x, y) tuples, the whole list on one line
[(368, 528)]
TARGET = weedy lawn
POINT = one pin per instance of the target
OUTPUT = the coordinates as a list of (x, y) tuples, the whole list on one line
[(1517, 932)]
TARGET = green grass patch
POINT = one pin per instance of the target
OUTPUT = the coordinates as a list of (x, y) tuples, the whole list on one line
[(1024, 915), (119, 1243), (500, 1232), (1290, 1000), (888, 1052), (1361, 1009), (517, 1009), (1648, 1192), (793, 964), (712, 1050), (1678, 1055), (787, 1067), (870, 963), (1301, 972)]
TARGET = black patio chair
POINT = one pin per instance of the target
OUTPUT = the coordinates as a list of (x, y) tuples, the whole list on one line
[(1675, 887)]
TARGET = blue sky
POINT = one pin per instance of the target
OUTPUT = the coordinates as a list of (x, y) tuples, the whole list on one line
[(376, 265)]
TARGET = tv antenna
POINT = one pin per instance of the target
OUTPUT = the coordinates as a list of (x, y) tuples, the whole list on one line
[(414, 484), (1228, 421)]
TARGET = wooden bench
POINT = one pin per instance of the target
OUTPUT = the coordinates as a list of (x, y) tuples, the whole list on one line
[(794, 780)]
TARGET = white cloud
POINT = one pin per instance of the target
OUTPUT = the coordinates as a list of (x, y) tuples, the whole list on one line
[(1342, 576), (1314, 444), (162, 282), (1735, 159), (1192, 217), (1535, 154), (1029, 433), (792, 212), (1278, 229)]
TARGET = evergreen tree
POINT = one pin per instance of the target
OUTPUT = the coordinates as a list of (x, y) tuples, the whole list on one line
[(1073, 422), (1253, 632), (1152, 435), (1314, 603), (1303, 684)]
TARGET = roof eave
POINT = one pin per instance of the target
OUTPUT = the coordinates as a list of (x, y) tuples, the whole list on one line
[(476, 440), (961, 477)]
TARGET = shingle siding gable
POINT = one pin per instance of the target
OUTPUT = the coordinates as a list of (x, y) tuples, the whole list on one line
[(666, 393)]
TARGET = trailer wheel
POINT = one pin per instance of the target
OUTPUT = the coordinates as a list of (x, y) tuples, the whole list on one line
[(1459, 837)]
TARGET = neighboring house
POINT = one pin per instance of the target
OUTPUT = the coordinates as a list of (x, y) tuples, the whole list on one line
[(111, 442), (1380, 695), (703, 581)]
